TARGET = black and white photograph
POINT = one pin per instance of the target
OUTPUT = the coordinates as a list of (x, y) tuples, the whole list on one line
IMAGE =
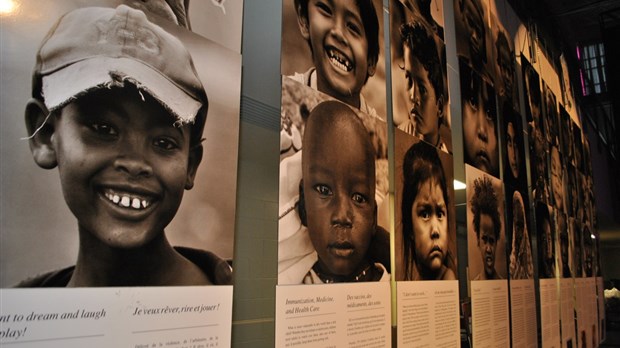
[(505, 63), (520, 261), (480, 121), (486, 237), (545, 232), (425, 218), (551, 116), (513, 149), (577, 233), (333, 215), (336, 47), (419, 82), (473, 35), (117, 178), (565, 240)]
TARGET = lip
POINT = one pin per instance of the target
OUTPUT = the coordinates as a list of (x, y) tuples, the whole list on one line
[(341, 249), (339, 60), (483, 158), (128, 202), (435, 252)]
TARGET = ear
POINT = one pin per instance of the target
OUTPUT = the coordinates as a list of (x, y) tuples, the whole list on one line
[(301, 205), (372, 68), (440, 111), (40, 129), (195, 156), (302, 21)]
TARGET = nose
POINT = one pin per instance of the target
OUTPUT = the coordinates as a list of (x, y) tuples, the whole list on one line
[(434, 228), (341, 211), (132, 159), (414, 94), (338, 30)]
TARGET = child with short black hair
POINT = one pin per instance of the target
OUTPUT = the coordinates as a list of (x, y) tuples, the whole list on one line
[(343, 36), (123, 126), (425, 85), (337, 196)]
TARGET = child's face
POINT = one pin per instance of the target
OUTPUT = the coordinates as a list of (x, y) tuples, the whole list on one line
[(339, 200), (487, 243), (472, 16), (512, 149), (424, 107), (430, 227), (123, 166), (339, 47), (479, 131), (518, 224), (506, 70)]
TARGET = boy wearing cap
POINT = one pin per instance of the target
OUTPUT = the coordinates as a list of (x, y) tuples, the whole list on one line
[(124, 129)]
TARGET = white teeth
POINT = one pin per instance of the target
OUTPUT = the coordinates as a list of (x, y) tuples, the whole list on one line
[(340, 61), (127, 201)]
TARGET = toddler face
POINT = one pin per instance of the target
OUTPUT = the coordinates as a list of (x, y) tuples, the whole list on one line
[(339, 189), (339, 47), (123, 165), (424, 108), (430, 227)]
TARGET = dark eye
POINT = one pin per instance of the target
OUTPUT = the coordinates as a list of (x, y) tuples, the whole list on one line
[(359, 198), (165, 144), (103, 128), (354, 28), (473, 103), (424, 214), (440, 213), (324, 8), (323, 190)]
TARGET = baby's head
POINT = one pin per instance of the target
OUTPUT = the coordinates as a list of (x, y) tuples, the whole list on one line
[(424, 211), (125, 131), (343, 36), (424, 79), (337, 194)]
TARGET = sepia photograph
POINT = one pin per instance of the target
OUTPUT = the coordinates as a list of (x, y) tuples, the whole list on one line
[(486, 237), (425, 216), (333, 191)]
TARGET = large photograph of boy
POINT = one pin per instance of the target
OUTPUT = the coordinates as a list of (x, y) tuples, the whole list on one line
[(122, 133), (486, 237), (418, 67), (425, 216), (336, 47), (333, 192)]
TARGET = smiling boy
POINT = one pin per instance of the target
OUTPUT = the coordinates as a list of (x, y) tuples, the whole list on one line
[(125, 136), (338, 196), (343, 36)]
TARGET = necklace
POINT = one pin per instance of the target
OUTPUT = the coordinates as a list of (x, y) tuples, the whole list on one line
[(367, 274)]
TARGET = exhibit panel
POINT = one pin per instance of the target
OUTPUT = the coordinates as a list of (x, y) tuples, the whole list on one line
[(140, 147)]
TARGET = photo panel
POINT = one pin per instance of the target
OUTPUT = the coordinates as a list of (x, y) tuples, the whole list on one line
[(577, 233), (424, 215), (513, 151), (336, 53), (207, 203), (486, 237), (480, 121), (566, 242), (546, 238), (310, 248), (572, 187), (558, 174), (419, 74), (551, 115), (566, 135), (519, 248), (504, 63), (577, 147), (474, 38)]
